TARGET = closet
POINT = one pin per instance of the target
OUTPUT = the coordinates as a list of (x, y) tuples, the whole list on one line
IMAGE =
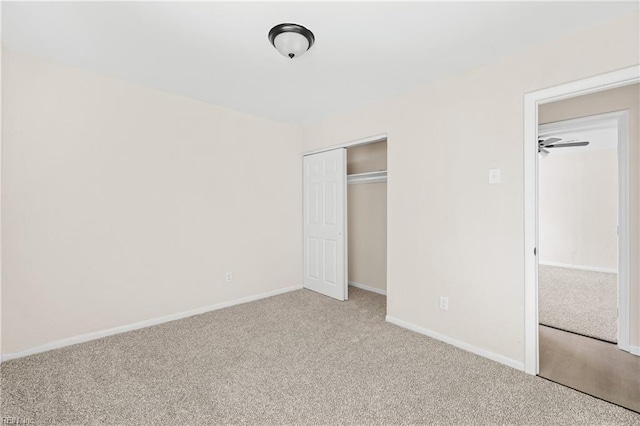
[(367, 216)]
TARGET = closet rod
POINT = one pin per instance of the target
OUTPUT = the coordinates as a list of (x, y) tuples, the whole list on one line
[(369, 177)]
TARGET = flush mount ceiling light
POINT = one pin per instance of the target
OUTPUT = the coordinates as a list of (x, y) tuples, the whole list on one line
[(292, 40)]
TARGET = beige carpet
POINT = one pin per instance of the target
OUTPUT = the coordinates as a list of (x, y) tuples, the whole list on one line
[(298, 358), (582, 302)]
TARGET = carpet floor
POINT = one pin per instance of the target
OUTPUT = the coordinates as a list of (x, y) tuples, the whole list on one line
[(297, 358), (582, 302)]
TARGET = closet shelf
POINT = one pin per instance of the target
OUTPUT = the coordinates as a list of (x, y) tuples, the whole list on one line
[(369, 177)]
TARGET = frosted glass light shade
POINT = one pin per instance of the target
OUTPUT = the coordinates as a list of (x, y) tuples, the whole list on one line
[(291, 45), (291, 40)]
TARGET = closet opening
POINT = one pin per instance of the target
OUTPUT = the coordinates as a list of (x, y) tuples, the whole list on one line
[(345, 218), (367, 217)]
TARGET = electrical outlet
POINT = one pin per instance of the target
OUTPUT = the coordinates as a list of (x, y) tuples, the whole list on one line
[(444, 303), (228, 277)]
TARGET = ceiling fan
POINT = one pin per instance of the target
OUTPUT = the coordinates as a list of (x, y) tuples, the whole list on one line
[(545, 144)]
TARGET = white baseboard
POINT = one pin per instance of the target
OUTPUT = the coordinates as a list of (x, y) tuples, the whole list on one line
[(518, 365), (584, 268), (142, 324), (635, 350), (368, 288)]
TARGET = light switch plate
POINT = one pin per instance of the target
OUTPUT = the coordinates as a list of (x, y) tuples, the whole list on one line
[(494, 176)]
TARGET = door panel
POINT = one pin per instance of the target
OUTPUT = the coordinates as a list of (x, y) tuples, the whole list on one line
[(324, 227), (313, 257)]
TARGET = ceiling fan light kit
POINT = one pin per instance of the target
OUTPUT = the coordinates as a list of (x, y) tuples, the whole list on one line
[(291, 40)]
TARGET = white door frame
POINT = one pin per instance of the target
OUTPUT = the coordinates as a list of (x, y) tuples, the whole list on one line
[(362, 141), (532, 100), (620, 121)]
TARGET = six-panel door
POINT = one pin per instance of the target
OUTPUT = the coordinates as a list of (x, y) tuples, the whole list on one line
[(324, 223)]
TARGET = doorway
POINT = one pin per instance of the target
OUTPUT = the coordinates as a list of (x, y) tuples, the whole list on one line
[(628, 329), (345, 218), (579, 208), (532, 100)]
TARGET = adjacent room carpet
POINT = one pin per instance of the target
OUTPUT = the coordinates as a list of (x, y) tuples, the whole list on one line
[(297, 358), (582, 302)]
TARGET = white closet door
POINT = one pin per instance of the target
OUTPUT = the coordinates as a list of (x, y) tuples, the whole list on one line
[(325, 269)]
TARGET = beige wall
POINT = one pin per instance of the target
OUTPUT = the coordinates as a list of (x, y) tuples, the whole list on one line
[(578, 208), (450, 232), (608, 101), (371, 157), (367, 217), (123, 203)]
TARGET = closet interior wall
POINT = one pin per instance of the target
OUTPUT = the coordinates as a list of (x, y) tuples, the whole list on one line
[(367, 218)]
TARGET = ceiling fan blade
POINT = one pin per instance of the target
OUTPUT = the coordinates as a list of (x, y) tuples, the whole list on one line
[(543, 151), (567, 145), (549, 141)]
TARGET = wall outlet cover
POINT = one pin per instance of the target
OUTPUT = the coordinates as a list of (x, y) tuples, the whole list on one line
[(444, 303)]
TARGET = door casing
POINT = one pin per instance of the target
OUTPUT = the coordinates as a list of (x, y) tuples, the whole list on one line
[(532, 100), (619, 119)]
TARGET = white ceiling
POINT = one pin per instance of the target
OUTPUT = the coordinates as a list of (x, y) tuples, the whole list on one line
[(219, 53)]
